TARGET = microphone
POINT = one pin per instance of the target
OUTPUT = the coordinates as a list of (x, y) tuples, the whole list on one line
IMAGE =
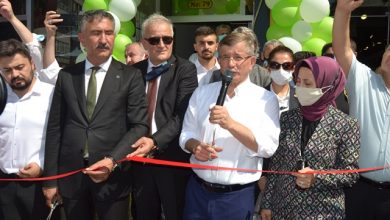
[(226, 80)]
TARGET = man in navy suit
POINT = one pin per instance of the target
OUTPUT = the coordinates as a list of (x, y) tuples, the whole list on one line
[(170, 81), (98, 110)]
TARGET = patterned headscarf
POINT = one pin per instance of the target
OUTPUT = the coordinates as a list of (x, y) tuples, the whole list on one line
[(327, 72)]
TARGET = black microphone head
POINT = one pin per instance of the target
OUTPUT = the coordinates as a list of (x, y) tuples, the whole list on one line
[(227, 76)]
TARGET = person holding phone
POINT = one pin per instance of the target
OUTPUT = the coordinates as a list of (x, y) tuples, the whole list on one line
[(314, 136)]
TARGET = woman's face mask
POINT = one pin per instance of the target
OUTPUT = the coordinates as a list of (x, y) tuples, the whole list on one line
[(309, 96), (281, 76)]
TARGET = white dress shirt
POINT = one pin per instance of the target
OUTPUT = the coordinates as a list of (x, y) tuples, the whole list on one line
[(48, 75), (150, 68), (253, 107), (203, 74), (284, 102), (100, 75), (23, 128)]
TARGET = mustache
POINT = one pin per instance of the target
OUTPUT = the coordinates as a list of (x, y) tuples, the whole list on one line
[(102, 46), (16, 78), (206, 50)]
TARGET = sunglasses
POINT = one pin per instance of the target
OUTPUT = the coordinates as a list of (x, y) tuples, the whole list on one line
[(286, 66), (156, 40)]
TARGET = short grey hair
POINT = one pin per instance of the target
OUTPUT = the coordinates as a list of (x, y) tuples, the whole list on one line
[(139, 44), (235, 38), (251, 34), (156, 18), (273, 43), (90, 16)]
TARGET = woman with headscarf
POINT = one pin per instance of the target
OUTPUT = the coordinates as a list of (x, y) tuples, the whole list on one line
[(315, 136)]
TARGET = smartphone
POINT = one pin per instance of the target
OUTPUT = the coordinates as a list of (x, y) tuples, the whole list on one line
[(69, 20)]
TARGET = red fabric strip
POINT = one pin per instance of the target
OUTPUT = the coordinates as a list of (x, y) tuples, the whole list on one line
[(199, 166)]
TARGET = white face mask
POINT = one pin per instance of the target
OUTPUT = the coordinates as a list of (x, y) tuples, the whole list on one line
[(281, 76), (309, 96)]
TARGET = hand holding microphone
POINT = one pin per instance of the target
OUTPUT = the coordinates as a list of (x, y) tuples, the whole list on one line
[(218, 113)]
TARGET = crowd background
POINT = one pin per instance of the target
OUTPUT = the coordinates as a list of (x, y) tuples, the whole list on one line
[(302, 88)]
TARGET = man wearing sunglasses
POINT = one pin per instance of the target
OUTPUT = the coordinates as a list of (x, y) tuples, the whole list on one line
[(369, 99), (170, 81)]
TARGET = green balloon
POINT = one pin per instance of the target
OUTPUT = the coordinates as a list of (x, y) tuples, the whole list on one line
[(120, 43), (127, 28), (323, 29), (285, 13), (94, 5), (313, 44), (275, 32)]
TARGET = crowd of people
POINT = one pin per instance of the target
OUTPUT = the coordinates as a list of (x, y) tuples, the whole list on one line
[(295, 114)]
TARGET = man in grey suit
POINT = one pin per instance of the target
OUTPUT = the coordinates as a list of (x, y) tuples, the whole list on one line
[(98, 110)]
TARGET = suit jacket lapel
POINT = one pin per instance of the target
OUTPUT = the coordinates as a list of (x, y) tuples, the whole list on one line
[(110, 85), (166, 78), (79, 87)]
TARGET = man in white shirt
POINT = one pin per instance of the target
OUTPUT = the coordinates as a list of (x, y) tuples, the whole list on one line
[(238, 135), (206, 45), (45, 72), (22, 134)]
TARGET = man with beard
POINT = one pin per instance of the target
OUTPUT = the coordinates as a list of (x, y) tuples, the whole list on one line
[(22, 134), (206, 45)]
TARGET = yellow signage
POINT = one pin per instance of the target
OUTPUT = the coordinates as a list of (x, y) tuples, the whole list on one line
[(200, 4)]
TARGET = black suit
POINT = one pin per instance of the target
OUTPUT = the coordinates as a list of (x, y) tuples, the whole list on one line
[(156, 185), (118, 120)]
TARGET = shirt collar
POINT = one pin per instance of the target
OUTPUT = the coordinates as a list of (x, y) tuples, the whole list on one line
[(203, 69), (104, 66), (36, 89), (242, 87)]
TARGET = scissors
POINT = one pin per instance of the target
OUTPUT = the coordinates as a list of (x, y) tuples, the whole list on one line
[(53, 206)]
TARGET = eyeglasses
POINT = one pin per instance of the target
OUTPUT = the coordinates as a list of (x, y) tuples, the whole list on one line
[(156, 40), (237, 59), (286, 65)]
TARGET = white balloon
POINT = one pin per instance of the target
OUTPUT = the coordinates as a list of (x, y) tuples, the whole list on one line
[(137, 2), (124, 9), (314, 11), (291, 43), (270, 3), (301, 31), (80, 58), (117, 22)]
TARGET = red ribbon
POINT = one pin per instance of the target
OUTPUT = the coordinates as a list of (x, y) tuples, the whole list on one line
[(200, 166)]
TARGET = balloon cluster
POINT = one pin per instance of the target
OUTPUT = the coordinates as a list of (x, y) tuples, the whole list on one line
[(300, 24), (122, 11)]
